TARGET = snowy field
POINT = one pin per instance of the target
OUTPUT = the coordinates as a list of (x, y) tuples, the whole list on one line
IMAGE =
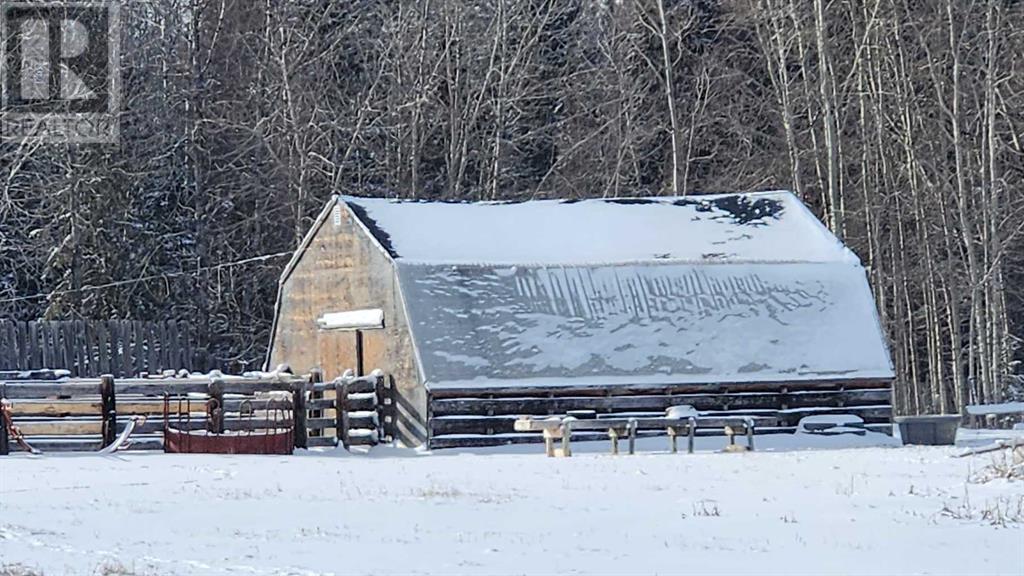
[(796, 506)]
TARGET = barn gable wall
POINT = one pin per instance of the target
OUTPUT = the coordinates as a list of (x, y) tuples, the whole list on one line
[(342, 269)]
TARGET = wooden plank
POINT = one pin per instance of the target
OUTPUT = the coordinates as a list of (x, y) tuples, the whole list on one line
[(56, 348), (152, 360), (26, 390), (138, 349), (100, 352), (166, 352), (67, 427), (13, 361), (67, 342), (364, 421), (249, 387), (59, 357), (158, 387), (189, 349), (489, 425), (21, 339), (53, 329), (116, 339), (355, 403), (9, 360), (320, 423), (184, 359), (104, 341), (341, 410), (171, 346), (870, 414), (34, 350), (524, 425), (143, 387), (322, 442), (174, 330), (45, 360), (56, 408), (382, 401), (362, 440), (8, 348), (544, 406), (6, 352), (641, 389), (81, 350), (92, 348), (82, 444), (12, 335), (91, 443), (24, 351), (320, 403), (125, 352), (125, 408), (365, 385)]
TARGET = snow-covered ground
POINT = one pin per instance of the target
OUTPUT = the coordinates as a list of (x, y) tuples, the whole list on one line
[(792, 507)]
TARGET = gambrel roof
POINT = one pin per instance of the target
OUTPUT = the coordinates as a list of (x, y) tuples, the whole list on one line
[(710, 289)]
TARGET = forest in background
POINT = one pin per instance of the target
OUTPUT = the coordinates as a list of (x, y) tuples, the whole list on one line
[(899, 122)]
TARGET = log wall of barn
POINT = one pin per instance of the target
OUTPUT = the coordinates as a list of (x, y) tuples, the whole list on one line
[(343, 269)]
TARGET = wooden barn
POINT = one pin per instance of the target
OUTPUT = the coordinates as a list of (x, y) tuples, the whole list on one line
[(480, 312)]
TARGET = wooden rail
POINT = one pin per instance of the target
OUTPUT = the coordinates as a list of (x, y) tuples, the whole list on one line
[(470, 417), (71, 414)]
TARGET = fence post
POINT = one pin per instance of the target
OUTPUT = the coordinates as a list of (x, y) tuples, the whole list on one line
[(341, 409), (215, 416), (299, 414), (359, 353), (316, 377), (5, 446), (381, 404), (109, 407)]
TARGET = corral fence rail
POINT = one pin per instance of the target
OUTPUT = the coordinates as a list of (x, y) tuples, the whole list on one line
[(57, 414), (475, 417)]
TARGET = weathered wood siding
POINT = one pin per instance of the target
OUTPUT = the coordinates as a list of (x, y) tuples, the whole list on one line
[(94, 347), (344, 269)]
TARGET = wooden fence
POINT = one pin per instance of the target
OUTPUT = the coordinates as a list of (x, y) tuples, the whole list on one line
[(90, 348), (85, 414), (479, 416)]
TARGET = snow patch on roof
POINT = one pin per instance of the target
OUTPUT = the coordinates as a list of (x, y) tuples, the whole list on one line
[(636, 324), (755, 227)]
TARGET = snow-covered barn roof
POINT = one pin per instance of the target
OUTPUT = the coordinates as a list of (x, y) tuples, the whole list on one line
[(710, 289), (756, 227)]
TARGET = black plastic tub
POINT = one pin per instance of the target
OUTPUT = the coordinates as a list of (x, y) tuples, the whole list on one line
[(929, 430)]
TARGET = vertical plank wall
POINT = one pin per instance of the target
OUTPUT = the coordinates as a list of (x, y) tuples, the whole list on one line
[(89, 348)]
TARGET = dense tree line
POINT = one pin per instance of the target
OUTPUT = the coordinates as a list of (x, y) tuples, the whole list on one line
[(898, 121)]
